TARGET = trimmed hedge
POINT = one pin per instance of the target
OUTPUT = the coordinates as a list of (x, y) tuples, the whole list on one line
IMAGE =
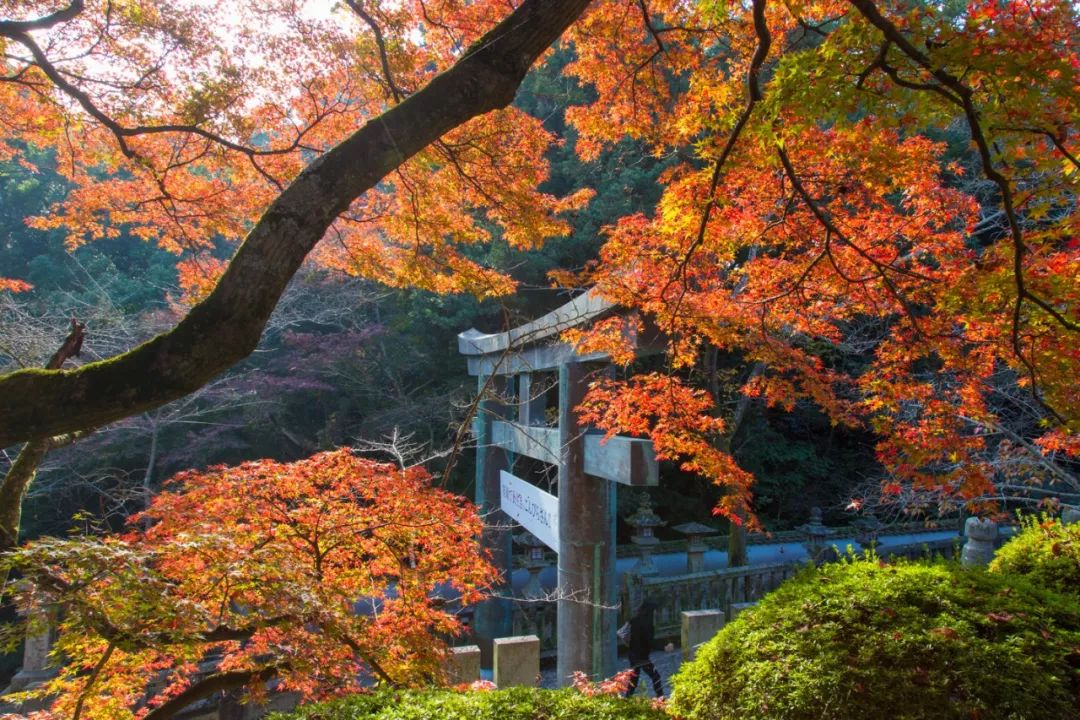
[(859, 639), (510, 704), (1046, 551)]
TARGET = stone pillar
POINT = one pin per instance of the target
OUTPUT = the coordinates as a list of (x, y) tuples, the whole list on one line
[(517, 661), (39, 641), (695, 555), (696, 547), (463, 665), (1070, 515), (534, 563), (981, 542), (586, 612), (699, 626), (644, 521), (817, 536), (494, 617)]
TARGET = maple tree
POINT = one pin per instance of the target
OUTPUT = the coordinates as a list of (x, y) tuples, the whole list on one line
[(191, 131), (819, 197), (314, 94), (320, 573)]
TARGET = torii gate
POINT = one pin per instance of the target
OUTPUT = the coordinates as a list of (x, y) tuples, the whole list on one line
[(587, 473)]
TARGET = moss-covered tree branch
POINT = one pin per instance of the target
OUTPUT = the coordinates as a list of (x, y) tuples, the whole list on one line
[(225, 327)]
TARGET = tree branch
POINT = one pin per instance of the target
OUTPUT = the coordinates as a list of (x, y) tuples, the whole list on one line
[(10, 28), (77, 713), (357, 7), (208, 686), (23, 470), (225, 327), (834, 231), (963, 96), (753, 87)]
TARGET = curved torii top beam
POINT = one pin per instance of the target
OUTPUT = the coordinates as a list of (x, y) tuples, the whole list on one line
[(536, 345)]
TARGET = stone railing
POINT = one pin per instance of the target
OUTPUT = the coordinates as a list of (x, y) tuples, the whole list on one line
[(537, 618), (716, 589), (946, 547), (719, 542)]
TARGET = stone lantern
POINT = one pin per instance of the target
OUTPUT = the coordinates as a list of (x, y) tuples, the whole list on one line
[(816, 535), (643, 521), (695, 547), (867, 529), (981, 534), (534, 563)]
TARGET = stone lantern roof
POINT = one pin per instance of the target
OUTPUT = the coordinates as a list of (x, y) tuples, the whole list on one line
[(695, 528), (643, 521)]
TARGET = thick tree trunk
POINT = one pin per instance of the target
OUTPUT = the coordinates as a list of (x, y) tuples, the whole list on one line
[(226, 326), (22, 472), (737, 552), (16, 482)]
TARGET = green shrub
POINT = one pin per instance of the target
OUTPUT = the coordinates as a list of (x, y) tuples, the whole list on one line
[(861, 640), (1044, 550), (509, 704)]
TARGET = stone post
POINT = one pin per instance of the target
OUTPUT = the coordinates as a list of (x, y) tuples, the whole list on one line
[(463, 665), (494, 617), (699, 626), (517, 661), (867, 529), (644, 521), (39, 640), (587, 594), (534, 563), (981, 542)]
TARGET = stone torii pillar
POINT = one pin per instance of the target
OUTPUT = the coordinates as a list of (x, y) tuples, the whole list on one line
[(494, 617), (587, 613)]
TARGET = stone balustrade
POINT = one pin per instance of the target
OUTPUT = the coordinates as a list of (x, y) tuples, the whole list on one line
[(538, 618), (711, 590)]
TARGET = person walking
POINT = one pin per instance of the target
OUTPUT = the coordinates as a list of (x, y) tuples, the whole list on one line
[(642, 637)]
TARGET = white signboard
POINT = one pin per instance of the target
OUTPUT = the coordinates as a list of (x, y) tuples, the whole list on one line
[(537, 510)]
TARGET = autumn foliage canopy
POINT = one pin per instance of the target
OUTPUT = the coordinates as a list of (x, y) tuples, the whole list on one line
[(895, 181), (890, 181), (818, 213), (323, 574)]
